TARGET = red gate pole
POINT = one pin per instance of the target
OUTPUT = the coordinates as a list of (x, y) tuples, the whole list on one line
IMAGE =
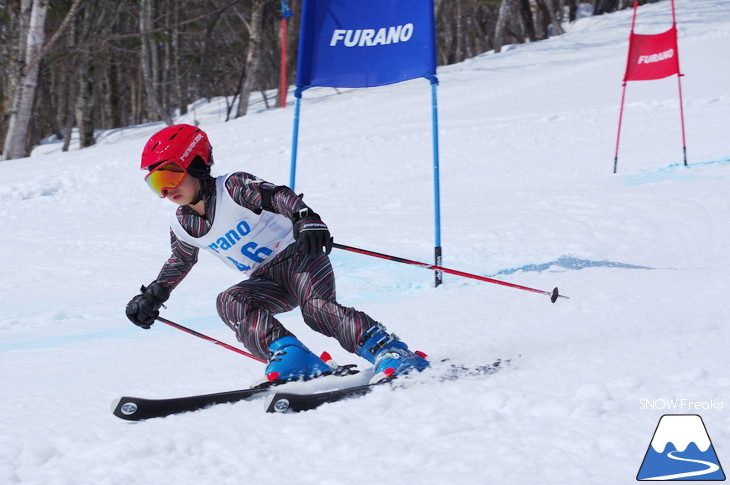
[(618, 136), (623, 94), (679, 85), (283, 62)]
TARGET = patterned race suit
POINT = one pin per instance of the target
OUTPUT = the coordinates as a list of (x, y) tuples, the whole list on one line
[(280, 276)]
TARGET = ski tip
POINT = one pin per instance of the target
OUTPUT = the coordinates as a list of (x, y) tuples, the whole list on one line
[(276, 404), (125, 408)]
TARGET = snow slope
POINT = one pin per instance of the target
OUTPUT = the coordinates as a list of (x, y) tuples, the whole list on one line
[(528, 196)]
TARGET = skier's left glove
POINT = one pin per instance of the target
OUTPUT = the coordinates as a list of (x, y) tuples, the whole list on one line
[(144, 308), (311, 233)]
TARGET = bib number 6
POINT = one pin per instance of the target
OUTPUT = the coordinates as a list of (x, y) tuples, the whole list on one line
[(255, 253)]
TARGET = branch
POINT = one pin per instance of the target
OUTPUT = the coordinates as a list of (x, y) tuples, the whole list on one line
[(67, 20)]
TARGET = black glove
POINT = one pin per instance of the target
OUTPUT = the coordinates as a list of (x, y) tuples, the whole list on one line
[(311, 233), (144, 308)]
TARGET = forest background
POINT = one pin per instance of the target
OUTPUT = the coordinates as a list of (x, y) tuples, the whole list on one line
[(80, 66)]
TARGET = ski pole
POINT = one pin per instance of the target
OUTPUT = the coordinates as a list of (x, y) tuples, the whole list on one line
[(209, 339), (554, 295)]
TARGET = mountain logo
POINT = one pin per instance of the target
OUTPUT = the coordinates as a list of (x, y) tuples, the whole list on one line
[(680, 450)]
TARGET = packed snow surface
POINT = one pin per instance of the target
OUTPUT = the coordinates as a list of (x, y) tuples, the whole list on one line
[(528, 196)]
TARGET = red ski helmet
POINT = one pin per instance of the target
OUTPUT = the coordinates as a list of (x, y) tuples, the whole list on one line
[(174, 152), (177, 143)]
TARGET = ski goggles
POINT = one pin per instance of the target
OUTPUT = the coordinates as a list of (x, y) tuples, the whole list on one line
[(165, 177)]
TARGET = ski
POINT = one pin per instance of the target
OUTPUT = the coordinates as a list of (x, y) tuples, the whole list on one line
[(291, 402), (137, 408), (282, 402)]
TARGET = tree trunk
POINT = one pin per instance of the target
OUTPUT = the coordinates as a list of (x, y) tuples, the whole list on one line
[(547, 8), (15, 140), (16, 56), (69, 128), (153, 99), (85, 101), (181, 92), (71, 92), (459, 31), (252, 56), (606, 6), (572, 10), (526, 14), (51, 110), (505, 10)]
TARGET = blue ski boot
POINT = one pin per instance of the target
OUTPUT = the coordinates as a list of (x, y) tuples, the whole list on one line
[(290, 360), (388, 355)]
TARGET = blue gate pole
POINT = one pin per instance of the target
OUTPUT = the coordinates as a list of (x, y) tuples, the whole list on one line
[(295, 139), (436, 179)]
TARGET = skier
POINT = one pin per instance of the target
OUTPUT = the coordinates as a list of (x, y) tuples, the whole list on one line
[(267, 233)]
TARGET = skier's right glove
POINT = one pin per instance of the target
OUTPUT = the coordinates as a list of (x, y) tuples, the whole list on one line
[(144, 308)]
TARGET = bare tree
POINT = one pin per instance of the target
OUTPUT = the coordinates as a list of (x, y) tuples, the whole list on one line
[(175, 17), (149, 64), (14, 52), (253, 55), (606, 6), (505, 12), (125, 62), (550, 14), (525, 13), (15, 140), (85, 98)]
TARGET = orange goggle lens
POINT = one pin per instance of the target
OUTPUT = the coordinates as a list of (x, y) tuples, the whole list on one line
[(165, 178)]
